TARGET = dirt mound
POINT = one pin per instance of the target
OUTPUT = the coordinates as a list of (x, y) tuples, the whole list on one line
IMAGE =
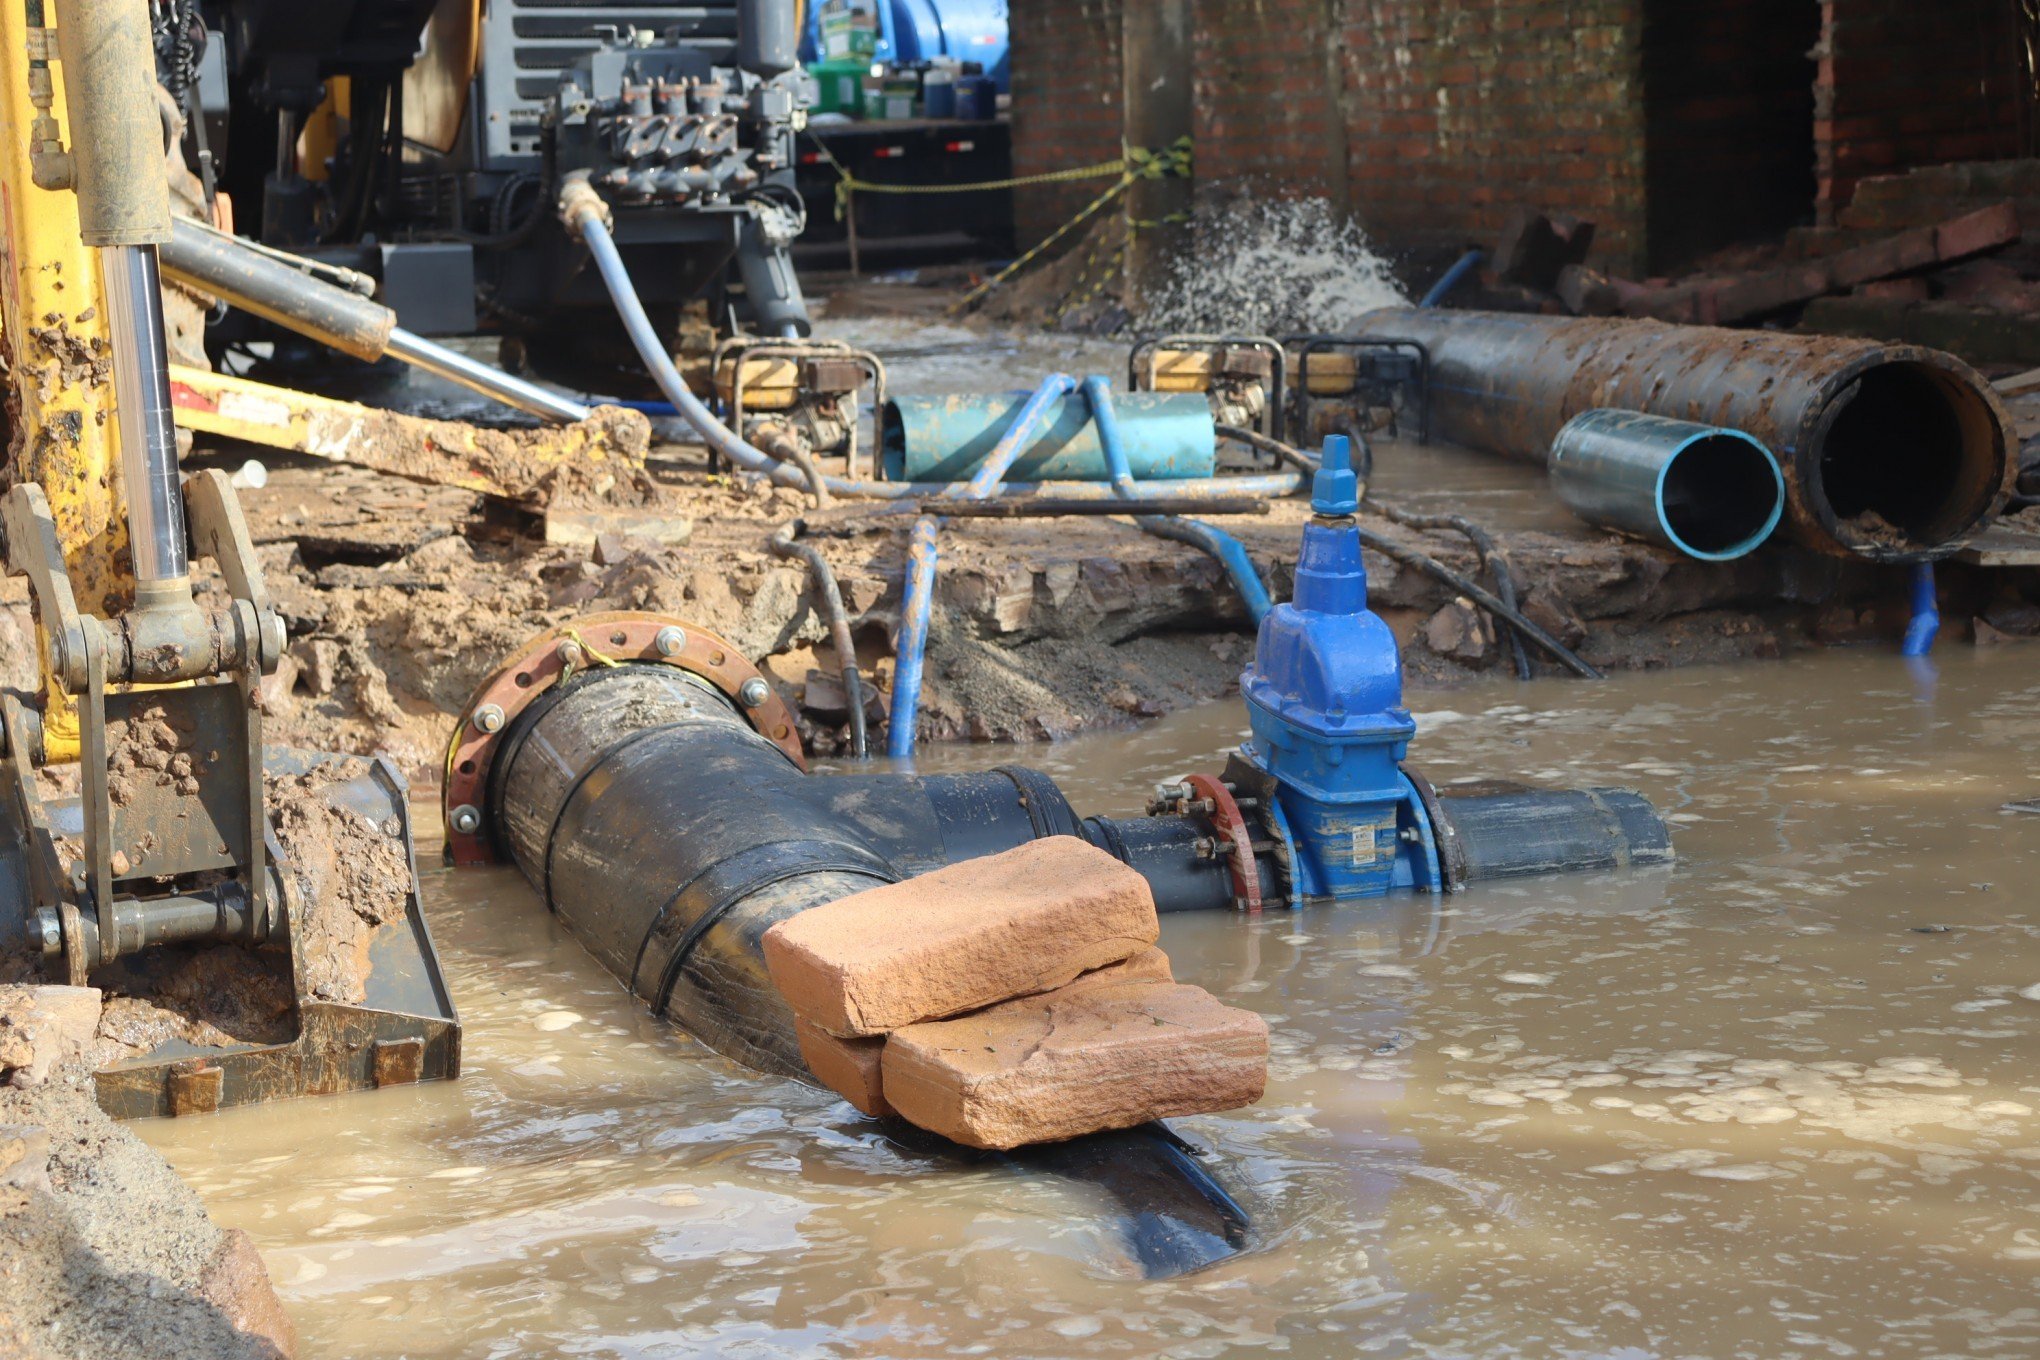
[(352, 875)]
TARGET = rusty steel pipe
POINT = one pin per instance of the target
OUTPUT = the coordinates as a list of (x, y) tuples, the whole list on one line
[(1896, 453)]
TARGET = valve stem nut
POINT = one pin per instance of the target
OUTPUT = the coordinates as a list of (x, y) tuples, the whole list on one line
[(466, 819), (754, 692)]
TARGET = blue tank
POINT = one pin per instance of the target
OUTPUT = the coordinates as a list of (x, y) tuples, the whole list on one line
[(912, 31)]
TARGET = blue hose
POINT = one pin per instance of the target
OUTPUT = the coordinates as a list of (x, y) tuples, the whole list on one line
[(1453, 277), (1926, 616), (916, 607), (1229, 552), (917, 603)]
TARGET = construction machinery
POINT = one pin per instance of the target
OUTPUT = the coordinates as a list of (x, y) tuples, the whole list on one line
[(256, 912), (423, 146)]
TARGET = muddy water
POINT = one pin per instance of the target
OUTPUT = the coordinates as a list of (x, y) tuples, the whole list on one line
[(1779, 1101)]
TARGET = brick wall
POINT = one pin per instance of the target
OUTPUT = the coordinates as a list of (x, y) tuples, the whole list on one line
[(1912, 82), (1427, 120), (1267, 89), (1066, 100), (1457, 111)]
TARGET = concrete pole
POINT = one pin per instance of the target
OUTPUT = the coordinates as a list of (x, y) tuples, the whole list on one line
[(1155, 72)]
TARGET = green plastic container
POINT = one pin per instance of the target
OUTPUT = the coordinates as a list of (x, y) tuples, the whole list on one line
[(840, 86), (849, 35)]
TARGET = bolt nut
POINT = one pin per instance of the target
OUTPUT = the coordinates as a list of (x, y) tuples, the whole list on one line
[(466, 819), (46, 932), (488, 718), (569, 651), (754, 692), (670, 641)]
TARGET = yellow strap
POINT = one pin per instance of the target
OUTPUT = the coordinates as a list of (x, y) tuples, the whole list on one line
[(1134, 163)]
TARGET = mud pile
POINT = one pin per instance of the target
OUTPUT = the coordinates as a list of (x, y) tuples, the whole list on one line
[(105, 1253)]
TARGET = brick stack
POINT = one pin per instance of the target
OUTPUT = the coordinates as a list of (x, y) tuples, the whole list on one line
[(1009, 1000)]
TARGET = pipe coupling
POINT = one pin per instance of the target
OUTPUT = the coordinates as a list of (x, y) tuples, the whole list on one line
[(578, 199)]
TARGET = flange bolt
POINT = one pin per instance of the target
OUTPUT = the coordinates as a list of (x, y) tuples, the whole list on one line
[(569, 652), (466, 819), (670, 641), (753, 692), (489, 718)]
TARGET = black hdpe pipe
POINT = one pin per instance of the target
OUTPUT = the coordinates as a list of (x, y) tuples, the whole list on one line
[(1890, 452)]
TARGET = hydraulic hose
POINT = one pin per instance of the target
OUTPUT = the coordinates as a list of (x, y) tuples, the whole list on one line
[(786, 544)]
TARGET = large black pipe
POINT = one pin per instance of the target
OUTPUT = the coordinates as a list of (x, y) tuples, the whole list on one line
[(1891, 452), (669, 836)]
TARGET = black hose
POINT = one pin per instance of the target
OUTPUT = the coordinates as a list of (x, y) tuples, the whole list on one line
[(786, 544), (1491, 558), (1410, 557), (1275, 447), (786, 447)]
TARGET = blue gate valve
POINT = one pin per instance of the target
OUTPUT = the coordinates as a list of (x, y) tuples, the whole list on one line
[(1325, 707)]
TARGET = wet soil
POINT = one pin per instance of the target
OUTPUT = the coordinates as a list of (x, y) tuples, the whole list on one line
[(352, 877)]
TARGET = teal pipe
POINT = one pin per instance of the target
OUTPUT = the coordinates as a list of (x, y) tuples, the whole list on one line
[(1711, 493), (1168, 436)]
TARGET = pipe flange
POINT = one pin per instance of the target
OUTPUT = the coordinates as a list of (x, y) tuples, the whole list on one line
[(1228, 821), (594, 641)]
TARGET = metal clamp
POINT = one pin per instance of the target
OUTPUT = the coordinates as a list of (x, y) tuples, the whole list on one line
[(618, 638)]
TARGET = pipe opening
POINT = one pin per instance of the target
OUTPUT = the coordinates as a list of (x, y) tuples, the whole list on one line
[(1720, 496), (1911, 458)]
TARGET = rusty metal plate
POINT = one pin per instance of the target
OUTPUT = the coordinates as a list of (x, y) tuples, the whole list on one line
[(619, 636)]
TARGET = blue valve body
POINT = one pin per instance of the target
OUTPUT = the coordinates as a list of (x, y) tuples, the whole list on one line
[(1325, 706)]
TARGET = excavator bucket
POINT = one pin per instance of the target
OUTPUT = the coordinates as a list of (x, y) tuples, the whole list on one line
[(251, 914), (399, 1026)]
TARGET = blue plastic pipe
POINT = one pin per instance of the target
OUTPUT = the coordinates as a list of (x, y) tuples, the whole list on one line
[(1926, 616), (917, 603), (1026, 420), (1229, 552), (1453, 277), (915, 610)]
